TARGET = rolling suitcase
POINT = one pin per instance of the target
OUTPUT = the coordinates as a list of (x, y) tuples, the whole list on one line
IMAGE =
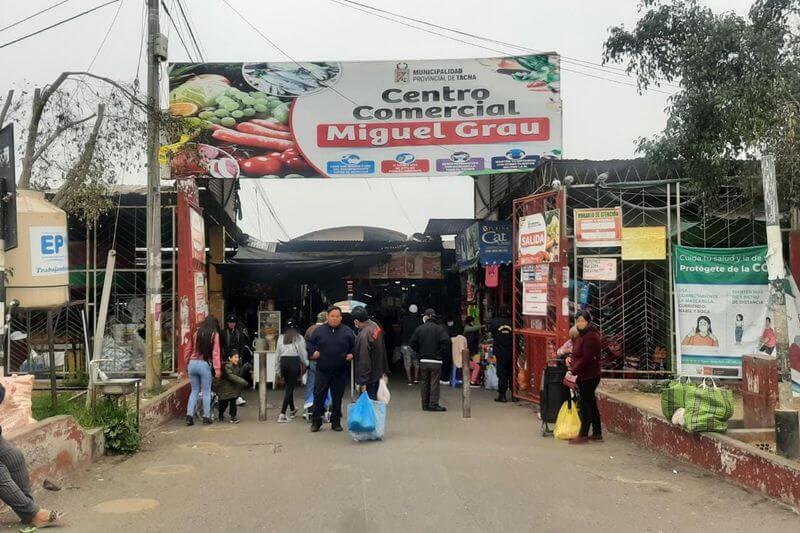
[(553, 394)]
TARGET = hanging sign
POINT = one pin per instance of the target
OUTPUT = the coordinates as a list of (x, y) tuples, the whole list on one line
[(721, 300), (539, 238), (642, 244), (495, 245), (375, 118), (534, 298), (467, 248), (598, 228), (599, 269)]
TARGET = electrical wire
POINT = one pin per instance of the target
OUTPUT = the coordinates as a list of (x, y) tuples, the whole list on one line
[(580, 62), (271, 209), (59, 23), (503, 52), (191, 31), (141, 43), (402, 209), (105, 37), (45, 10), (172, 20)]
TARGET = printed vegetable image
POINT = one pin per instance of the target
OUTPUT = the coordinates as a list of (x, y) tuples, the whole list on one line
[(249, 139)]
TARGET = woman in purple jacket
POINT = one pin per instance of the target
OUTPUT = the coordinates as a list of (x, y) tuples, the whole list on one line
[(585, 364)]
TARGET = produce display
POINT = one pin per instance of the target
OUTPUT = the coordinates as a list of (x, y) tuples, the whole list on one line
[(249, 126)]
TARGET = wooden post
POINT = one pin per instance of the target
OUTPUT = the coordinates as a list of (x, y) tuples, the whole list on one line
[(262, 386), (466, 404)]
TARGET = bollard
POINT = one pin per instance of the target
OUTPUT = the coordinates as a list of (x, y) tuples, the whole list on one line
[(262, 386), (466, 404), (787, 433)]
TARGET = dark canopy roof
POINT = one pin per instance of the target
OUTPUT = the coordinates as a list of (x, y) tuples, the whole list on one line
[(447, 226), (260, 265)]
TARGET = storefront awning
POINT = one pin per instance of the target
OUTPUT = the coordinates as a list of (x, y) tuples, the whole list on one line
[(264, 266)]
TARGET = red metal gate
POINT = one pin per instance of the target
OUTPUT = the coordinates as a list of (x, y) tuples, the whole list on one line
[(538, 336)]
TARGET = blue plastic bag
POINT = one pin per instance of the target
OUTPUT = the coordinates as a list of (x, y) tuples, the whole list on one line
[(380, 427), (361, 417)]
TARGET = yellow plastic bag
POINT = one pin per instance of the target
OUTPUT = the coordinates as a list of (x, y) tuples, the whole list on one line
[(568, 423)]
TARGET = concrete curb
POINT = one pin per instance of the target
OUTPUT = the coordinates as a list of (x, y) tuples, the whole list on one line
[(166, 406), (734, 460)]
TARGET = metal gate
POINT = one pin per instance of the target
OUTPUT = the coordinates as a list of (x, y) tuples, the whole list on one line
[(536, 338)]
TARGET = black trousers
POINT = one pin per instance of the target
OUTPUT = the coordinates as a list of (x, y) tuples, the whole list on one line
[(336, 382), (223, 405), (505, 369), (447, 368), (429, 384), (372, 390), (590, 414), (290, 370)]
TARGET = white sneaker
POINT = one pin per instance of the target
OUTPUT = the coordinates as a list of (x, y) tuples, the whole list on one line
[(283, 419), (240, 401)]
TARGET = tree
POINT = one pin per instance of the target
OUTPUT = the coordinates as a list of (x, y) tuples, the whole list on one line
[(739, 88), (78, 151)]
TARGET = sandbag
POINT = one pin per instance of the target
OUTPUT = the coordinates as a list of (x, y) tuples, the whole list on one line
[(16, 410)]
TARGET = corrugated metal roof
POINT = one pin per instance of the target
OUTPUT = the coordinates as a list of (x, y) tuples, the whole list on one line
[(447, 226)]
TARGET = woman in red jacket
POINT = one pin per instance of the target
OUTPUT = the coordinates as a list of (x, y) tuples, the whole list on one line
[(585, 364)]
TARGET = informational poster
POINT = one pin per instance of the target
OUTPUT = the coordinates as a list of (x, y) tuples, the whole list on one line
[(539, 238), (395, 118), (200, 300), (647, 243), (598, 228), (269, 328), (198, 235), (432, 266), (413, 266), (49, 250), (534, 298), (379, 271), (535, 272), (721, 299), (397, 266), (409, 265), (599, 269)]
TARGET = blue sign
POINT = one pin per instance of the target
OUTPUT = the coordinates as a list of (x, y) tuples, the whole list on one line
[(350, 164), (496, 243)]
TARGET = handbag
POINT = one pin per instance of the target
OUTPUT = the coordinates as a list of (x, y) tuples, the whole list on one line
[(570, 380)]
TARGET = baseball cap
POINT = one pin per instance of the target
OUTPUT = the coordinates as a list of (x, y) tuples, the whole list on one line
[(430, 312), (413, 308), (231, 317)]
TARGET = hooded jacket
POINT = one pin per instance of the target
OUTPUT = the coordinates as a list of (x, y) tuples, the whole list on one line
[(370, 354)]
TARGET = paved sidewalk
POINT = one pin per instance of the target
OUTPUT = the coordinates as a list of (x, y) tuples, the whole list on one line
[(433, 472)]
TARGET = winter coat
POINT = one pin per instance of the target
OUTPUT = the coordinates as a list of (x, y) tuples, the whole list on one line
[(231, 384), (370, 354), (586, 354), (431, 342)]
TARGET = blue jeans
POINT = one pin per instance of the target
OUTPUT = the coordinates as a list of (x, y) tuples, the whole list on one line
[(200, 376)]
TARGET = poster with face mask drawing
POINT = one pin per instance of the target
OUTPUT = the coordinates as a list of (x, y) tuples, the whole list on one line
[(721, 309)]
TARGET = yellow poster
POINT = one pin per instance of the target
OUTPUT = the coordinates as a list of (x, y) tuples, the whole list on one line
[(648, 243)]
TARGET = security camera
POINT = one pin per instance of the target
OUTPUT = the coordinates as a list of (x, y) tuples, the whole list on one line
[(569, 180)]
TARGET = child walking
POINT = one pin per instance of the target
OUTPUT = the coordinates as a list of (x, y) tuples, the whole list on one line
[(231, 385)]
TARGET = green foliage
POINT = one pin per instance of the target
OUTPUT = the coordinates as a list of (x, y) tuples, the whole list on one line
[(738, 80), (118, 423)]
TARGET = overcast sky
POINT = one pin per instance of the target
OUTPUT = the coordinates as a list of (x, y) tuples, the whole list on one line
[(602, 119)]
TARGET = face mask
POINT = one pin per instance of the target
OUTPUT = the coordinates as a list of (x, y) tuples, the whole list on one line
[(703, 327)]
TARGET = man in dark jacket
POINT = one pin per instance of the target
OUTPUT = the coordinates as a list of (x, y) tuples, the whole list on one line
[(432, 345), (370, 353), (331, 346), (409, 323), (502, 331)]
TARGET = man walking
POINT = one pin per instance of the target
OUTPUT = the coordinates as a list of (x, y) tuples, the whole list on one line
[(370, 353), (432, 345), (503, 338), (331, 347), (408, 325)]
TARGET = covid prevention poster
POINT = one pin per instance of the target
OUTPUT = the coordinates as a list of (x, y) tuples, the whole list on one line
[(721, 300)]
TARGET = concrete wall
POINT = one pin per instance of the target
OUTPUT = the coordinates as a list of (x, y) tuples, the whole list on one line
[(166, 406), (734, 460), (56, 446)]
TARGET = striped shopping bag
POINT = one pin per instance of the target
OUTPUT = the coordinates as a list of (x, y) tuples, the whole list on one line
[(708, 408)]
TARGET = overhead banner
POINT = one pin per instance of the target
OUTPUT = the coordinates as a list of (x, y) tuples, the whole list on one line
[(598, 228), (539, 238), (374, 118), (495, 247), (409, 265), (721, 300)]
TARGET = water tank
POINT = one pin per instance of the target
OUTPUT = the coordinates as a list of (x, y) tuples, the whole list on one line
[(39, 265)]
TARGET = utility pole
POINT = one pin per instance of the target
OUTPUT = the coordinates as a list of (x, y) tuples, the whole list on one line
[(787, 429), (156, 53)]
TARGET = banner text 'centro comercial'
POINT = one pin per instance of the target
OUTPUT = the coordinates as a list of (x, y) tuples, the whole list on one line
[(369, 119)]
